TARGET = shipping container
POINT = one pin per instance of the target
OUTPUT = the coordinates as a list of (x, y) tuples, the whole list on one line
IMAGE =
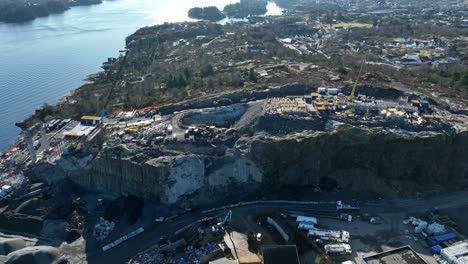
[(436, 249), (322, 90), (435, 240)]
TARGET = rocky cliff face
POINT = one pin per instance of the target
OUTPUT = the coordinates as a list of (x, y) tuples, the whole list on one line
[(167, 178), (361, 159), (349, 159)]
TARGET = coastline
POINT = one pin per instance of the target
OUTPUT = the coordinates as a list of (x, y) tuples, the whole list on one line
[(32, 118)]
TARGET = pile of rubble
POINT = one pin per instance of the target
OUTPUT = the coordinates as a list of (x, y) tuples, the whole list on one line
[(102, 229), (191, 255), (153, 256)]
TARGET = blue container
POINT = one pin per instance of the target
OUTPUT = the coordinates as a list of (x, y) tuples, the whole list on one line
[(436, 249), (424, 104), (435, 240)]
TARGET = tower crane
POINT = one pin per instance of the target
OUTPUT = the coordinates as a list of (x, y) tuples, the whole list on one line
[(353, 91), (114, 84)]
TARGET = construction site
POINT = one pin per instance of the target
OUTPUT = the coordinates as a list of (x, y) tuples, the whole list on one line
[(293, 173), (145, 180)]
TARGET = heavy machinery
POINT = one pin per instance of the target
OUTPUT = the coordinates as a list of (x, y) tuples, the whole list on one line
[(340, 205), (340, 236), (338, 249), (219, 227), (353, 91)]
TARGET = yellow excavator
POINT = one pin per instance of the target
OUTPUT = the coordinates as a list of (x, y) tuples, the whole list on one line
[(351, 96)]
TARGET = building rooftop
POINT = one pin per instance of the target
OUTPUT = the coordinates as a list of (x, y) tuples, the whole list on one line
[(280, 254), (79, 131), (403, 255)]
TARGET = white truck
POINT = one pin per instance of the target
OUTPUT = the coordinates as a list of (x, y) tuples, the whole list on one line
[(330, 235), (338, 249)]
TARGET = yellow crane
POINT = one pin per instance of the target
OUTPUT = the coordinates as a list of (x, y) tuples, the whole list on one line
[(351, 96)]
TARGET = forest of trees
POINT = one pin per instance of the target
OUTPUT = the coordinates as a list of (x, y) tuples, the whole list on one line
[(246, 8)]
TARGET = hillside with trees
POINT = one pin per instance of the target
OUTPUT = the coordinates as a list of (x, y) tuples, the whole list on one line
[(246, 8), (210, 13)]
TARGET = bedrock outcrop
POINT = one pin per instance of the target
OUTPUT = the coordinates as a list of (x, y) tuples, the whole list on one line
[(351, 159)]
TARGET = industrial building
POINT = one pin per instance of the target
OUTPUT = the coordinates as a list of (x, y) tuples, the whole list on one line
[(402, 255)]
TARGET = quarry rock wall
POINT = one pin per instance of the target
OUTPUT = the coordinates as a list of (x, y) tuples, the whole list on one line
[(354, 159), (364, 160), (167, 179)]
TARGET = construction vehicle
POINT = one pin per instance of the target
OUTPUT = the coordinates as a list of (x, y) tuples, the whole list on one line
[(219, 227), (338, 249), (254, 236), (340, 205), (353, 91), (330, 235), (346, 217)]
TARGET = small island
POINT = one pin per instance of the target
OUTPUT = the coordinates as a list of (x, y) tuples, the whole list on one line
[(211, 13), (242, 9)]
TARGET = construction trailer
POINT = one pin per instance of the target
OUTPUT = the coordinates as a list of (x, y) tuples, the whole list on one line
[(340, 236)]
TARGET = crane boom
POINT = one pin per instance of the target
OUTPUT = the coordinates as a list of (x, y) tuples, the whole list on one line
[(351, 96), (114, 84)]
